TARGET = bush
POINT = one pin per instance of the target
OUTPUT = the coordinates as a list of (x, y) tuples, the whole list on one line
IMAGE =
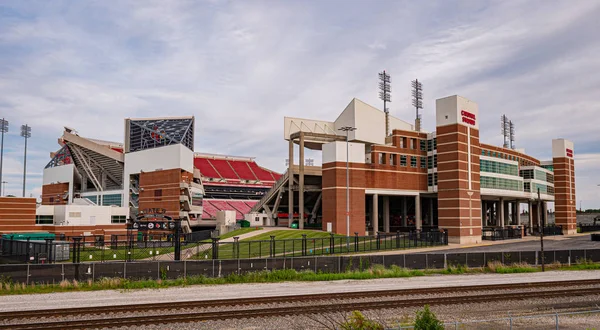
[(357, 321), (426, 320)]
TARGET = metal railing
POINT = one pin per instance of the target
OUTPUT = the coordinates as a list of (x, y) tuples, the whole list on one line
[(586, 228), (494, 233)]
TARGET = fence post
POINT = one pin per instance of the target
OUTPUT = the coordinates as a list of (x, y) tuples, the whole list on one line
[(215, 248), (556, 320), (177, 249), (355, 241), (272, 246), (398, 239), (378, 242), (331, 244), (27, 248), (76, 251), (48, 249), (303, 244), (236, 247)]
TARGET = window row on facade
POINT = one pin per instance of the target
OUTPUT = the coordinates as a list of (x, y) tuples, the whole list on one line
[(501, 183), (392, 160), (532, 187), (497, 167), (537, 175)]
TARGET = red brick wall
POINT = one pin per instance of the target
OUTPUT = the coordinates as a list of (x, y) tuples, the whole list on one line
[(52, 194), (564, 194), (454, 202), (334, 197), (160, 189), (17, 214)]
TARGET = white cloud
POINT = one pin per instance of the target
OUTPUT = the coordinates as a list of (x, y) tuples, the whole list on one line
[(240, 67)]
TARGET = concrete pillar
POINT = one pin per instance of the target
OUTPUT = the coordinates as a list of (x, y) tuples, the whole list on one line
[(375, 216), (501, 213), (386, 214), (301, 184), (545, 213), (404, 212), (483, 213), (418, 220), (291, 184)]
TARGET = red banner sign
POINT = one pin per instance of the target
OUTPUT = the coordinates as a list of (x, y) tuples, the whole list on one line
[(569, 153), (468, 117)]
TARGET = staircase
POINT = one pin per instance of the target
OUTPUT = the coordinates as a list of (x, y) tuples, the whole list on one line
[(273, 191)]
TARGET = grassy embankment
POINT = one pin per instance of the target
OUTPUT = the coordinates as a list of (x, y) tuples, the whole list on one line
[(364, 272)]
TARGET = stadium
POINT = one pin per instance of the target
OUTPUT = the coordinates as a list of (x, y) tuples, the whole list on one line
[(400, 179)]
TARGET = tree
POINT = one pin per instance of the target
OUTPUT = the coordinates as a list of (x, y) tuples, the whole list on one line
[(426, 320), (357, 321)]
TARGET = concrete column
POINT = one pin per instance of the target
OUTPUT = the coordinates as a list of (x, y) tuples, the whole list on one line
[(375, 216), (506, 213), (545, 212), (386, 214), (530, 211), (404, 212), (301, 183), (501, 213), (291, 184), (418, 220), (483, 213)]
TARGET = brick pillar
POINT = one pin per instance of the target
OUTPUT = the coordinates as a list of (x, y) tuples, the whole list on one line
[(564, 185), (459, 198)]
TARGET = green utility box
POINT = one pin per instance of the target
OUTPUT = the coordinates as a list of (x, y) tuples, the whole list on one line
[(295, 224), (36, 236), (245, 224)]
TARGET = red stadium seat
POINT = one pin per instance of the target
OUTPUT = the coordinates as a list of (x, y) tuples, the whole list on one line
[(261, 173), (224, 169), (206, 168), (242, 169)]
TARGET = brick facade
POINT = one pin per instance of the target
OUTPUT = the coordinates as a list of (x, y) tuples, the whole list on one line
[(53, 194), (161, 189), (564, 194)]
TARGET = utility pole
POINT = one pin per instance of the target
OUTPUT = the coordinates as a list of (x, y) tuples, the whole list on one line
[(26, 133), (542, 225), (347, 129), (4, 129)]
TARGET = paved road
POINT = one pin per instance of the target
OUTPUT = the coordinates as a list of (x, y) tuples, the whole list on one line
[(533, 244), (232, 291)]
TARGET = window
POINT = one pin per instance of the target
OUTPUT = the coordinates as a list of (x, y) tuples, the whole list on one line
[(256, 219), (413, 161), (501, 183), (157, 194), (413, 143), (112, 199), (423, 162), (434, 161), (391, 162), (402, 160), (429, 145), (402, 143), (51, 200), (44, 219), (435, 178), (118, 219), (434, 143), (423, 145), (93, 199), (430, 179)]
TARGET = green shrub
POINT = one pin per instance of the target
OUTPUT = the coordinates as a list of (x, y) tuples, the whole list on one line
[(357, 321), (426, 320)]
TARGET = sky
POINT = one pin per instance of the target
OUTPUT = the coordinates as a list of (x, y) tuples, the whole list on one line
[(239, 67)]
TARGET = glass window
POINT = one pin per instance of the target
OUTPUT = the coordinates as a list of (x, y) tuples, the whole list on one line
[(93, 199), (423, 145), (413, 161), (429, 161), (402, 160), (44, 219), (423, 162), (434, 161), (391, 162), (430, 179), (380, 158), (118, 219), (413, 143), (112, 199)]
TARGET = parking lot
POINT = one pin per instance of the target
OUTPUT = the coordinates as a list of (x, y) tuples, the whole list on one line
[(530, 244)]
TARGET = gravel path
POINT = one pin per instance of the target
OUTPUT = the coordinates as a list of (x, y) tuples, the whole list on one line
[(232, 291)]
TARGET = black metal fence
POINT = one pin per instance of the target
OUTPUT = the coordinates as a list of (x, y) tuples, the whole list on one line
[(586, 228), (54, 273), (553, 230), (154, 248), (494, 234)]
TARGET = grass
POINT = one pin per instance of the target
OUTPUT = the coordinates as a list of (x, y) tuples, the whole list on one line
[(276, 276), (239, 232), (291, 234)]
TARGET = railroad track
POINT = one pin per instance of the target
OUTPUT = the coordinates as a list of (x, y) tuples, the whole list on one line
[(312, 307)]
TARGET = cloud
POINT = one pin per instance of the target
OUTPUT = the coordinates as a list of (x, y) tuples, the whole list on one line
[(240, 67)]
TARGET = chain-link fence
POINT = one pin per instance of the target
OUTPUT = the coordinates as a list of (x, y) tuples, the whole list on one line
[(564, 320)]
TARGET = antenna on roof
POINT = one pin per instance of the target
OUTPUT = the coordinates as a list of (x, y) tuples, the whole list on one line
[(385, 90), (417, 101)]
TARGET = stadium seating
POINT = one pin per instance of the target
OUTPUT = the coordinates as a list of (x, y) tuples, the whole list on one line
[(206, 168), (261, 173), (243, 170), (224, 169), (209, 211)]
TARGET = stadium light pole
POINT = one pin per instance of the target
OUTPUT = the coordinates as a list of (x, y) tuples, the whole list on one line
[(347, 129), (26, 133), (4, 129)]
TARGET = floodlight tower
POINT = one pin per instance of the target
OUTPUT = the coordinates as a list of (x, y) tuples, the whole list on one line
[(4, 129), (417, 102), (505, 129), (511, 134), (26, 133), (385, 90)]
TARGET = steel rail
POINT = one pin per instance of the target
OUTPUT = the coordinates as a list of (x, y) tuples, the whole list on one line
[(296, 310), (61, 312)]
